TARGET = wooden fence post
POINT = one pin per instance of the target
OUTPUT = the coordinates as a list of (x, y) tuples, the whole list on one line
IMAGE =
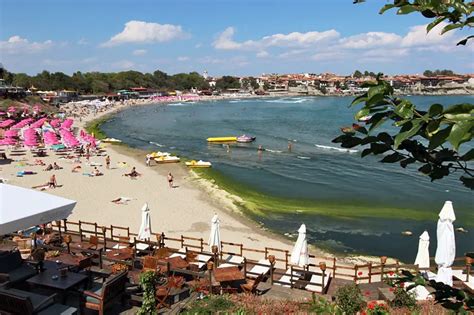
[(370, 272), (334, 267)]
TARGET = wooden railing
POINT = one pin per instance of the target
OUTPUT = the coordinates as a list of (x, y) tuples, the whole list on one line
[(369, 272)]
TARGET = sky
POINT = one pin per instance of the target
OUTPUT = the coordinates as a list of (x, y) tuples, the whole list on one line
[(222, 37)]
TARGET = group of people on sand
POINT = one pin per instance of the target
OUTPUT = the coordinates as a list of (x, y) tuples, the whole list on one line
[(53, 166)]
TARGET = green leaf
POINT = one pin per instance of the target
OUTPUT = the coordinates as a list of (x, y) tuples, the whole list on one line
[(468, 156), (378, 148), (432, 127), (385, 138), (450, 27), (467, 181), (407, 161), (363, 112), (435, 110), (392, 158), (459, 133), (366, 152), (407, 134), (439, 138), (375, 90), (465, 40), (386, 7), (459, 117), (405, 109), (369, 139), (377, 120), (406, 9), (359, 99), (430, 26), (425, 169), (465, 108)]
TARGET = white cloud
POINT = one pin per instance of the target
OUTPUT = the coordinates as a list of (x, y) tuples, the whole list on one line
[(225, 40), (18, 45), (82, 42), (183, 58), (370, 40), (143, 32), (262, 54), (139, 52), (123, 65)]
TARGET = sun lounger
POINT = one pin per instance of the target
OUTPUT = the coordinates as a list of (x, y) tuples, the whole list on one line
[(260, 270), (181, 253), (286, 278), (420, 292), (430, 275), (318, 279), (462, 276), (234, 260), (201, 260)]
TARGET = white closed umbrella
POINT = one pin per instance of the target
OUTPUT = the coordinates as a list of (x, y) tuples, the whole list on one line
[(145, 228), (423, 255), (446, 248), (300, 254), (215, 236)]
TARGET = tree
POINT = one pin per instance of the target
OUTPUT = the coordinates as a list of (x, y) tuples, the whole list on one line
[(432, 138), (428, 73), (357, 74), (227, 82)]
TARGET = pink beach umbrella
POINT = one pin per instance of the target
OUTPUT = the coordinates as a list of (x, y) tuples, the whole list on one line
[(10, 133), (55, 123), (7, 141), (11, 109), (6, 123)]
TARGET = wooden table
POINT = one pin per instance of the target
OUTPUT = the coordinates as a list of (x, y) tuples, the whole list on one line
[(83, 246), (119, 254), (175, 263), (66, 259), (228, 274)]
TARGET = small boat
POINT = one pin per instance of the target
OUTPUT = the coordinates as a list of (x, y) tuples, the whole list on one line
[(200, 163), (246, 139), (158, 154), (222, 139), (407, 233), (167, 159)]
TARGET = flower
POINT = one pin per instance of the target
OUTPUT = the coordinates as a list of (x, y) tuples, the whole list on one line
[(359, 273), (367, 293), (402, 284), (391, 289), (391, 273)]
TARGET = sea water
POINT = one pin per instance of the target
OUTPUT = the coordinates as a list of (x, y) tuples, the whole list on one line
[(315, 169)]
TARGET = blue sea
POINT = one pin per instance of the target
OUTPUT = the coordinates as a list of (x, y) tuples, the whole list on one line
[(316, 169)]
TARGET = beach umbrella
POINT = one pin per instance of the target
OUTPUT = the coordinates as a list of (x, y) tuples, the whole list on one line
[(145, 228), (215, 236), (423, 256), (446, 249), (21, 208), (300, 254)]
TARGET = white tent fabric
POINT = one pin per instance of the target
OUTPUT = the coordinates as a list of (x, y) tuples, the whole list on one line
[(446, 249), (21, 208), (423, 255), (215, 236), (145, 228), (300, 254)]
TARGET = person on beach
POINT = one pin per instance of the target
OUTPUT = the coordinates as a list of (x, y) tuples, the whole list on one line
[(96, 172), (148, 160), (52, 182), (56, 166), (170, 180), (76, 169), (49, 167), (290, 145), (107, 162), (133, 173)]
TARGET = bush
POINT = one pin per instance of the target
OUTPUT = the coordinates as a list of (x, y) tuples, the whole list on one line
[(320, 305), (403, 299), (349, 299), (211, 305)]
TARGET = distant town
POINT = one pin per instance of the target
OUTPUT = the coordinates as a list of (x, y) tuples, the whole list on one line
[(58, 87)]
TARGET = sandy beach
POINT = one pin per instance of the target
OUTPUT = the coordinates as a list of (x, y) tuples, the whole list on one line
[(184, 210)]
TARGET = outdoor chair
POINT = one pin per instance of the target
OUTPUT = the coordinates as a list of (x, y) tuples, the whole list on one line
[(466, 280), (250, 286), (181, 253), (150, 263), (102, 297), (123, 242), (18, 302), (13, 268)]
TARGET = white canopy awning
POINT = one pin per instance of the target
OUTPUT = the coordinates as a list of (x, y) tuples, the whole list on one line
[(21, 208)]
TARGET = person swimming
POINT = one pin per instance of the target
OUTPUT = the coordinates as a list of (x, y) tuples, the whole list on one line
[(260, 148)]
